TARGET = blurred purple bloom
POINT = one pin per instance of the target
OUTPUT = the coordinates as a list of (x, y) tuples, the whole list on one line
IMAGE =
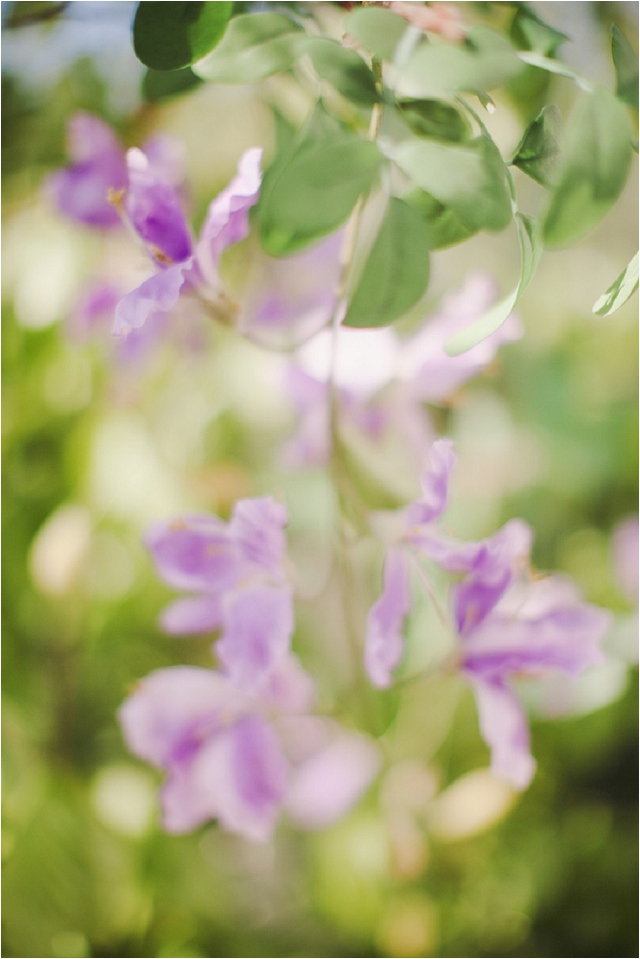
[(329, 780), (508, 626), (537, 628), (435, 485), (94, 310), (433, 375), (384, 643), (227, 220), (155, 211), (222, 758), (291, 298), (391, 417), (241, 758), (258, 624), (81, 191), (156, 295), (236, 571)]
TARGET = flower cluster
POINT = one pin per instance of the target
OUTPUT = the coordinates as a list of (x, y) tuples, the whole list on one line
[(239, 744), (508, 623)]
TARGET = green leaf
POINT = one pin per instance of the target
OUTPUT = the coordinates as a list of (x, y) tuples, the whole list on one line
[(313, 190), (625, 60), (489, 322), (594, 171), (538, 153), (168, 36), (344, 69), (396, 273), (435, 69), (254, 46), (619, 291), (445, 227), (160, 85), (530, 248), (379, 31), (529, 32), (435, 118), (555, 66), (469, 178)]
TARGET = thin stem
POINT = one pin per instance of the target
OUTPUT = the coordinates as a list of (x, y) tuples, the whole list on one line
[(343, 484)]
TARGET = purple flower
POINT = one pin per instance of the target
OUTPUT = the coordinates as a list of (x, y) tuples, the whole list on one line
[(537, 628), (385, 644), (222, 757), (433, 375), (154, 208), (291, 298), (236, 570), (507, 625), (241, 758), (98, 166)]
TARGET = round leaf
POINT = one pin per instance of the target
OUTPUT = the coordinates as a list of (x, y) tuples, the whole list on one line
[(314, 191), (396, 273), (344, 69), (254, 46), (168, 36), (469, 178), (597, 157)]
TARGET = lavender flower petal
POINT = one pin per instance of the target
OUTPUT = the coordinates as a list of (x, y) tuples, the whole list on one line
[(257, 526), (384, 643), (243, 773), (564, 637), (288, 688), (435, 485), (227, 220), (257, 634), (195, 553), (155, 210), (504, 728), (329, 783), (196, 614), (166, 717), (157, 294), (291, 298), (81, 191)]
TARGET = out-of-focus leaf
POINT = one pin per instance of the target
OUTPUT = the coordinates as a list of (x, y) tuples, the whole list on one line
[(538, 153), (445, 226), (435, 118), (396, 273), (254, 46), (534, 59), (378, 30), (486, 61), (162, 84), (169, 36), (625, 60), (529, 32), (489, 322), (469, 178), (619, 291), (314, 190), (596, 161), (344, 69)]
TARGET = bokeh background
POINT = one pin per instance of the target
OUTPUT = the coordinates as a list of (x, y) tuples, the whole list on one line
[(95, 447)]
